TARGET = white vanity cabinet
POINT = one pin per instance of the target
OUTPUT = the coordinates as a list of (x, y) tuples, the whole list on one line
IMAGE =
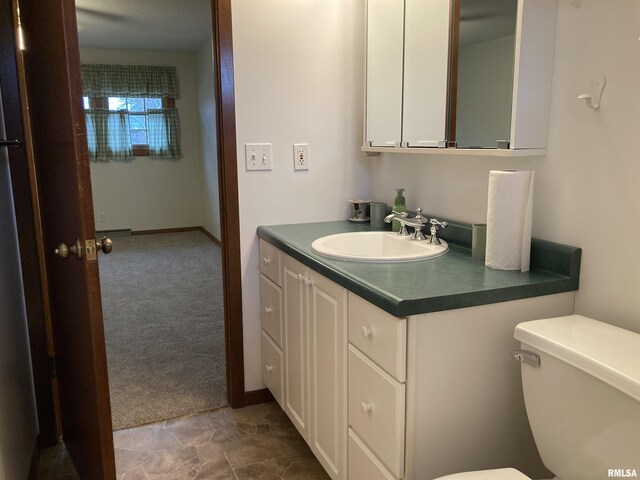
[(379, 397), (271, 320), (313, 349), (377, 390)]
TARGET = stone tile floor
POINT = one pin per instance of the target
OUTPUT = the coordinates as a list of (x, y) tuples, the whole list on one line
[(257, 442)]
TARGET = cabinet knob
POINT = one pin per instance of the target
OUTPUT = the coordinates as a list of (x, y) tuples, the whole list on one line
[(269, 368), (300, 277), (366, 331), (268, 310), (365, 408), (266, 260), (307, 281)]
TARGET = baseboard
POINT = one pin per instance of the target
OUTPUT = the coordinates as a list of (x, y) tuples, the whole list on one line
[(165, 230), (121, 232), (206, 232), (255, 397), (210, 236)]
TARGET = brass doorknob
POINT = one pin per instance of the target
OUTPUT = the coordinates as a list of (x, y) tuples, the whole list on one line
[(64, 250), (106, 245), (92, 246)]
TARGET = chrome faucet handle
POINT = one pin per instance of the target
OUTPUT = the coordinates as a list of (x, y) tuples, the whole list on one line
[(393, 215), (418, 222), (433, 239)]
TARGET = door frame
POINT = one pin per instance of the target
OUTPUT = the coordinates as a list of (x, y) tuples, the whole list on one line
[(229, 206), (32, 253)]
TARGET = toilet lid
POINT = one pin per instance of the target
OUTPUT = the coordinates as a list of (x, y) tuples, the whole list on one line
[(499, 474)]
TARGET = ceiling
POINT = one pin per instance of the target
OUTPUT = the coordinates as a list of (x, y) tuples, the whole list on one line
[(167, 25)]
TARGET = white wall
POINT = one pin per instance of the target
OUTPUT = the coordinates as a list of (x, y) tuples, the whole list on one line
[(299, 77), (18, 423), (587, 190), (152, 194), (210, 202), (485, 82)]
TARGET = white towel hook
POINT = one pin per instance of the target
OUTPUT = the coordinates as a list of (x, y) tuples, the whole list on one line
[(593, 101)]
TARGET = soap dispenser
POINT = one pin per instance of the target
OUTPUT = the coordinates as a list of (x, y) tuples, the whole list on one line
[(400, 206)]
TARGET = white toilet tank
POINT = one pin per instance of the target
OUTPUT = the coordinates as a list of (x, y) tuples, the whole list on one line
[(583, 401)]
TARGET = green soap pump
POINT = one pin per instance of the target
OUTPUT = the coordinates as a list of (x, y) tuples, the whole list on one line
[(399, 205)]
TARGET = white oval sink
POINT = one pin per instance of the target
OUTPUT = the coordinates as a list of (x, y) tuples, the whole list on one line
[(376, 247)]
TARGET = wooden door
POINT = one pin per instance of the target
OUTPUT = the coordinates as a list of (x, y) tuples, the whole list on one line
[(328, 373), (49, 75)]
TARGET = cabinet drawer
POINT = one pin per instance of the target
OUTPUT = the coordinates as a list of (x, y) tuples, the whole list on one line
[(272, 373), (363, 463), (382, 337), (377, 410), (271, 308), (270, 262)]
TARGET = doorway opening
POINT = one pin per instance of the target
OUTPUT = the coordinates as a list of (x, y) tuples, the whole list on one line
[(162, 287)]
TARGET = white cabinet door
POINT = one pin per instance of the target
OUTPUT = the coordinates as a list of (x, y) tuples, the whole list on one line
[(295, 344), (385, 27), (426, 72), (328, 374)]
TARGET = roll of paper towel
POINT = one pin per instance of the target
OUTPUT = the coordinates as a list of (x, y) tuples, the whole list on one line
[(509, 220)]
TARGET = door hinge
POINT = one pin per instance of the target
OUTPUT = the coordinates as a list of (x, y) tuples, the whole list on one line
[(53, 371)]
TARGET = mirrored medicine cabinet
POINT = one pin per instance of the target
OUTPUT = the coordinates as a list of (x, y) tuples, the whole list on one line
[(459, 76)]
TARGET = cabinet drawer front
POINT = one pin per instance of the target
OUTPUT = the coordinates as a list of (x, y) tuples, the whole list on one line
[(382, 337), (363, 463), (272, 373), (271, 308), (270, 262), (377, 410)]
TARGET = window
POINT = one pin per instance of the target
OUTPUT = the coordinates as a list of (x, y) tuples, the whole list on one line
[(130, 111), (137, 109)]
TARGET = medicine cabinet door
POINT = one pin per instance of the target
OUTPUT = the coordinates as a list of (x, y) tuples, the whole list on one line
[(426, 72), (385, 27)]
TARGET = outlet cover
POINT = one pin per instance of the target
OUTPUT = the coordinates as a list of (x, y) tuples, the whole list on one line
[(300, 156), (258, 156)]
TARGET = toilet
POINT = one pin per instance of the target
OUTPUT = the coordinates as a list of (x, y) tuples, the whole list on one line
[(582, 400)]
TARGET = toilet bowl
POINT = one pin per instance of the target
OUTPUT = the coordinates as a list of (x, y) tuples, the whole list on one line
[(497, 474), (582, 399)]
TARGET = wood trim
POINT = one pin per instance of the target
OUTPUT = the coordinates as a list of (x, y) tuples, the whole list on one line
[(254, 397), (210, 236), (140, 150), (206, 232), (229, 206), (165, 230), (453, 75), (29, 227)]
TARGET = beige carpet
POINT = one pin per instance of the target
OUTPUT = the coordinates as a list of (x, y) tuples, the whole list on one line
[(163, 317)]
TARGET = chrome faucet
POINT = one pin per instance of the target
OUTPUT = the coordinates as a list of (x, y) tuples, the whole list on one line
[(417, 222), (401, 217), (433, 238)]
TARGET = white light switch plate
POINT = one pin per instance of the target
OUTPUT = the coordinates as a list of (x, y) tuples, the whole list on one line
[(258, 156), (300, 156)]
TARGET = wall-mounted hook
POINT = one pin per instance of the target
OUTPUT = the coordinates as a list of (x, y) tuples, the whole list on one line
[(593, 101)]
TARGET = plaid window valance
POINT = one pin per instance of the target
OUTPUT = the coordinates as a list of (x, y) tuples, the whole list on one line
[(99, 80)]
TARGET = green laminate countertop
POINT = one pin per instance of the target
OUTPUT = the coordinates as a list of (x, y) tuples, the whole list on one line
[(454, 280)]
